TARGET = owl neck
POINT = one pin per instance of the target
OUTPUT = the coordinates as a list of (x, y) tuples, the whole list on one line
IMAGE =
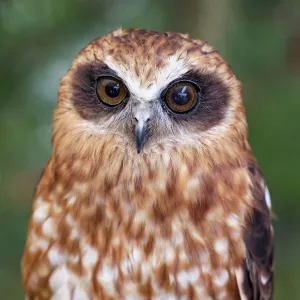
[(111, 173)]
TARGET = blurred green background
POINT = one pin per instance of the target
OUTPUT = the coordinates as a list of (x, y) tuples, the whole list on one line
[(40, 39)]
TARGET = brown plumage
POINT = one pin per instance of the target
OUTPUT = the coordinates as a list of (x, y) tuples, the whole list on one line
[(151, 191)]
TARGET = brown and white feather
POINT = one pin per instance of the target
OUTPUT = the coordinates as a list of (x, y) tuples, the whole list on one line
[(184, 219)]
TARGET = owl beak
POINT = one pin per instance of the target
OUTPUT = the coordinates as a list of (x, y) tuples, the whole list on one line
[(140, 134), (142, 114)]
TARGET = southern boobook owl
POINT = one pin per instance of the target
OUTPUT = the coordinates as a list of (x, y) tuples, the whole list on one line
[(151, 190)]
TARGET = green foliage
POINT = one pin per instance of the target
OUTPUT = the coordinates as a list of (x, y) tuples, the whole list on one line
[(39, 40)]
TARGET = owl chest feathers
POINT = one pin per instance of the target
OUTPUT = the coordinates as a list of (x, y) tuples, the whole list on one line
[(147, 193), (178, 234)]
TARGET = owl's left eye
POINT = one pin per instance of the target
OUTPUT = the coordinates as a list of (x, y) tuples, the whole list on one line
[(111, 91), (182, 97)]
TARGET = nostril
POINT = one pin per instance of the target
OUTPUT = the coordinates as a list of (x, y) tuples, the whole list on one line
[(136, 120)]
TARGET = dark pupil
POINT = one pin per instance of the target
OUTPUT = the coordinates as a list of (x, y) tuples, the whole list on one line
[(181, 95), (112, 89)]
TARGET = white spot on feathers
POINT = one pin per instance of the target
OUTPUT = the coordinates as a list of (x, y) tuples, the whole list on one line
[(264, 279), (63, 293), (177, 239), (205, 268), (233, 220), (56, 258), (126, 266), (223, 295), (43, 244), (239, 274), (194, 181), (69, 220), (106, 277), (74, 234), (59, 278), (268, 198), (221, 278), (221, 246), (90, 257), (164, 296), (136, 256), (80, 294), (49, 228), (41, 213), (186, 277)]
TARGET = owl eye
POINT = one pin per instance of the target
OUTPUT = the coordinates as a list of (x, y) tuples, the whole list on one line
[(111, 91), (182, 97)]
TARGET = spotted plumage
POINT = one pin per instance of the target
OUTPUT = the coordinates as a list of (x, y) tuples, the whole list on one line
[(151, 190)]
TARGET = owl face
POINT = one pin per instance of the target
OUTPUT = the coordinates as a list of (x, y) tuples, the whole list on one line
[(144, 90)]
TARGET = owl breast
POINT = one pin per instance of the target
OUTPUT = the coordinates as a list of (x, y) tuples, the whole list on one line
[(136, 241)]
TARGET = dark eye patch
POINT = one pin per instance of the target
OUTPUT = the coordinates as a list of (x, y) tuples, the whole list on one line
[(84, 87), (214, 99), (211, 111)]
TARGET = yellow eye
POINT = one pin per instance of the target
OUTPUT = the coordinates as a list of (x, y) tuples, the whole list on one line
[(182, 97), (111, 91)]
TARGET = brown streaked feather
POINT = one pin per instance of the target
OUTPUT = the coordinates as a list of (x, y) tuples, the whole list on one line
[(258, 266), (108, 223)]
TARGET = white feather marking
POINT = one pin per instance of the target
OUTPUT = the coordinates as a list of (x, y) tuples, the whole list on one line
[(172, 70), (205, 268), (59, 278), (268, 198), (41, 213), (69, 220), (80, 294), (221, 246), (43, 244), (107, 277), (49, 228), (223, 295), (177, 239), (233, 220), (56, 258), (193, 182), (186, 277), (165, 296), (204, 257), (40, 201), (74, 234), (221, 278), (107, 274), (264, 279), (146, 269), (90, 257), (63, 293), (136, 256), (239, 274)]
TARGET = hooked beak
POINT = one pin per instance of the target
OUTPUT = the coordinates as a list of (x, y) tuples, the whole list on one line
[(142, 114), (140, 134)]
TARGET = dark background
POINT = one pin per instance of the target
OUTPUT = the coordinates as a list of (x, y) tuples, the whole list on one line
[(40, 39)]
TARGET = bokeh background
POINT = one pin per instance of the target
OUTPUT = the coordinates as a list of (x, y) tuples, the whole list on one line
[(39, 40)]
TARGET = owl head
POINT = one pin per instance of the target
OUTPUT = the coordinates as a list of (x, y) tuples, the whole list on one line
[(135, 93)]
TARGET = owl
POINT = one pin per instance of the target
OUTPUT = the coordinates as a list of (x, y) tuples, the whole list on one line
[(151, 190)]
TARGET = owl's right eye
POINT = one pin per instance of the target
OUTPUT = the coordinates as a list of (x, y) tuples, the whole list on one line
[(182, 97), (111, 91)]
